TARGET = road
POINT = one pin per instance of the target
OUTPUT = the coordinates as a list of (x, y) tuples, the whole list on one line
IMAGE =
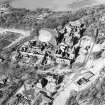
[(64, 93), (70, 85)]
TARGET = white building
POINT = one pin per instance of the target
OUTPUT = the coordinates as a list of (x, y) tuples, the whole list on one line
[(102, 18), (75, 23), (42, 16)]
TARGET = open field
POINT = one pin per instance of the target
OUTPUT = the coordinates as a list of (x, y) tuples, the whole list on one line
[(12, 36), (4, 43)]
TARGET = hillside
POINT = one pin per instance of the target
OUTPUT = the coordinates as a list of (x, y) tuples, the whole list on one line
[(26, 19), (47, 59)]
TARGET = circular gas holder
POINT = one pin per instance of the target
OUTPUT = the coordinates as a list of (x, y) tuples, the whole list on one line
[(45, 36)]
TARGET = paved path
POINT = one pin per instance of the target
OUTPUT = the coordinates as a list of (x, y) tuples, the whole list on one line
[(23, 32), (97, 66)]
